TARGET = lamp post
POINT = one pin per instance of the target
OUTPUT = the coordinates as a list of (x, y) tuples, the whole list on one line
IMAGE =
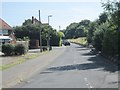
[(49, 19), (59, 28), (49, 33)]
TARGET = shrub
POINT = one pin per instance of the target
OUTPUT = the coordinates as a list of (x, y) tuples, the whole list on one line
[(54, 40), (20, 49), (8, 49), (98, 39), (110, 43), (25, 43)]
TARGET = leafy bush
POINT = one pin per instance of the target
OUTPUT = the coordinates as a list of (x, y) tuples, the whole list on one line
[(20, 49), (54, 40), (110, 43), (98, 39), (8, 49)]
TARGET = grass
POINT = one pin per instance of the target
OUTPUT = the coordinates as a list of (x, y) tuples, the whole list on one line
[(81, 40), (21, 60)]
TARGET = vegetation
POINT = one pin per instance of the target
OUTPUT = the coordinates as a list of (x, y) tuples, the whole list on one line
[(103, 33), (10, 49), (81, 41), (61, 35), (20, 60), (20, 49), (75, 30), (32, 32)]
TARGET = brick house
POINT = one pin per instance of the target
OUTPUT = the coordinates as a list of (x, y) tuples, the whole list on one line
[(36, 43), (6, 33)]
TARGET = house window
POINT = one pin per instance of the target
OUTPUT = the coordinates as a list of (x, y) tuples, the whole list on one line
[(0, 32), (5, 32)]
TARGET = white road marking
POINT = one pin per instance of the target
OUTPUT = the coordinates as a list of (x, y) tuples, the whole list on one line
[(88, 83)]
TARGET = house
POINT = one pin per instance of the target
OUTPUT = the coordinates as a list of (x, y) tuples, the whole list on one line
[(35, 21), (35, 43), (6, 33)]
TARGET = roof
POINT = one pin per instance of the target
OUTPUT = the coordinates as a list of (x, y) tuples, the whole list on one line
[(4, 25)]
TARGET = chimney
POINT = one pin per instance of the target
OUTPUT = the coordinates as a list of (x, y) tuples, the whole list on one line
[(33, 21)]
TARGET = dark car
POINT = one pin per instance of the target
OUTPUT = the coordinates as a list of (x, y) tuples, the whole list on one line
[(66, 43)]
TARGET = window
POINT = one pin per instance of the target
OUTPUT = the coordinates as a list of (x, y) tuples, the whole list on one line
[(5, 32), (0, 32)]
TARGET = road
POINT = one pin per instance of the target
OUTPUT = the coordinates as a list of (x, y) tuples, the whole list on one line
[(22, 71), (77, 67)]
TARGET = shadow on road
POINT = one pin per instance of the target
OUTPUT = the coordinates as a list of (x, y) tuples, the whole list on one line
[(97, 62), (79, 49)]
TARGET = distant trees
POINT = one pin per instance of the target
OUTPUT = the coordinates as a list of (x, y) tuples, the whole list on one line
[(75, 30)]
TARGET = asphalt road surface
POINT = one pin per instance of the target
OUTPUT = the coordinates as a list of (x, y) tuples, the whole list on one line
[(77, 67)]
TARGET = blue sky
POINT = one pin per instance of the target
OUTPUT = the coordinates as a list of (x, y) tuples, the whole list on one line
[(63, 13)]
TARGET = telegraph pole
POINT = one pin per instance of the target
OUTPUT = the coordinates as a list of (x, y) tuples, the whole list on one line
[(48, 41), (40, 33), (59, 28)]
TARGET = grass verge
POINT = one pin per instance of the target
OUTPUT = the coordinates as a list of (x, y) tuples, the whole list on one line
[(81, 40), (21, 60)]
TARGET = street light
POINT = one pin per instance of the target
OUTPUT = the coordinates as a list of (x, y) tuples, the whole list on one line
[(48, 42), (49, 19)]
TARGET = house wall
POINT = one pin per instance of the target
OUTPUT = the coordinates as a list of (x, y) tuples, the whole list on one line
[(6, 30)]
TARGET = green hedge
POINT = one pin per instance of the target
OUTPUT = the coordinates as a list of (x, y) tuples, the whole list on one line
[(10, 49), (20, 49)]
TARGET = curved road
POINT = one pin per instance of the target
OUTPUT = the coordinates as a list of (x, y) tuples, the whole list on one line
[(77, 67)]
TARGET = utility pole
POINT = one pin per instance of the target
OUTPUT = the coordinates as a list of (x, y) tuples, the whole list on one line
[(40, 33), (48, 41), (59, 28)]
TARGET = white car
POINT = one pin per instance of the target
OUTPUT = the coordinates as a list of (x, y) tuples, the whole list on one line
[(5, 39)]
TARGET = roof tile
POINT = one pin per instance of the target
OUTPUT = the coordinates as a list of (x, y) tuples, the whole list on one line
[(4, 25)]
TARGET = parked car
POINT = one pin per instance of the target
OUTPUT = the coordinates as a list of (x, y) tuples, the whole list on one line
[(66, 43)]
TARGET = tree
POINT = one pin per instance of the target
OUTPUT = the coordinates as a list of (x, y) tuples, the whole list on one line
[(113, 34), (110, 43), (103, 18), (70, 30), (27, 22), (32, 31), (61, 34), (113, 10), (99, 36), (75, 30), (90, 31)]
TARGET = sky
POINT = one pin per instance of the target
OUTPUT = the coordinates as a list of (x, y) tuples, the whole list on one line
[(63, 12)]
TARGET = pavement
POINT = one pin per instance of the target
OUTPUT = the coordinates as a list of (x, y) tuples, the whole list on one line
[(18, 73), (75, 67)]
